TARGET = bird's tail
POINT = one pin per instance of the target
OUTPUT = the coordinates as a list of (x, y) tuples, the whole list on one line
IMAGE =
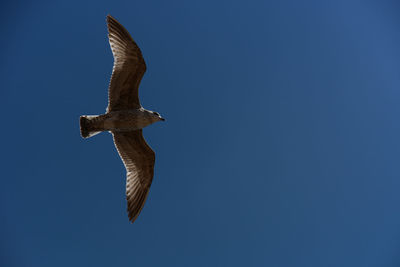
[(87, 124)]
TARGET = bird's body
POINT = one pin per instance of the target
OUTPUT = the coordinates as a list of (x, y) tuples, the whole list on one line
[(125, 117), (119, 121)]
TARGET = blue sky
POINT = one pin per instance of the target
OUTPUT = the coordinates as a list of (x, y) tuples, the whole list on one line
[(280, 147)]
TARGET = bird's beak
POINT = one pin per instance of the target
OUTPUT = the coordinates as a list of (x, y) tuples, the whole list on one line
[(162, 119)]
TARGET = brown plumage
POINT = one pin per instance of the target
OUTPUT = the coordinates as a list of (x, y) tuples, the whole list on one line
[(125, 117), (129, 68)]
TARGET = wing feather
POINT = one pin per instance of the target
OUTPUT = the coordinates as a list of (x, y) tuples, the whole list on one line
[(139, 160), (128, 70)]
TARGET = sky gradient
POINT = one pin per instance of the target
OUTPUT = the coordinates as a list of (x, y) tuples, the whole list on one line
[(280, 146)]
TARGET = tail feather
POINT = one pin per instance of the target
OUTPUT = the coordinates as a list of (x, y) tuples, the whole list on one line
[(87, 126)]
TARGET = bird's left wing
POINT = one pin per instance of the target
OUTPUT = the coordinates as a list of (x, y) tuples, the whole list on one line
[(128, 70), (139, 160)]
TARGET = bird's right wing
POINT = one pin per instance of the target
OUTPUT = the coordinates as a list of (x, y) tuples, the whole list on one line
[(128, 70), (138, 159)]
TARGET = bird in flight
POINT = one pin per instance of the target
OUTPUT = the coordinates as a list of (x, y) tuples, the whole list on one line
[(125, 117)]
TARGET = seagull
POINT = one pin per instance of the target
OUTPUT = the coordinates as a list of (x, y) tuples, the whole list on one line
[(125, 117)]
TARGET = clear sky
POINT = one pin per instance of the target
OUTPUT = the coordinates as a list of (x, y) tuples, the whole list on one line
[(280, 147)]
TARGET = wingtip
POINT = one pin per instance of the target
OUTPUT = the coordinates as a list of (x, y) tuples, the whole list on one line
[(133, 219), (110, 18)]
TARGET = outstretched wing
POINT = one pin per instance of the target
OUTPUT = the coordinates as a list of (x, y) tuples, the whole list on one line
[(138, 159), (128, 70)]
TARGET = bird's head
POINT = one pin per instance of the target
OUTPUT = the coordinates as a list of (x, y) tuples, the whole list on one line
[(156, 116)]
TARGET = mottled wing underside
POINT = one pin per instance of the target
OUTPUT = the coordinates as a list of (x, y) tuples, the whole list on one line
[(128, 70), (138, 159)]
